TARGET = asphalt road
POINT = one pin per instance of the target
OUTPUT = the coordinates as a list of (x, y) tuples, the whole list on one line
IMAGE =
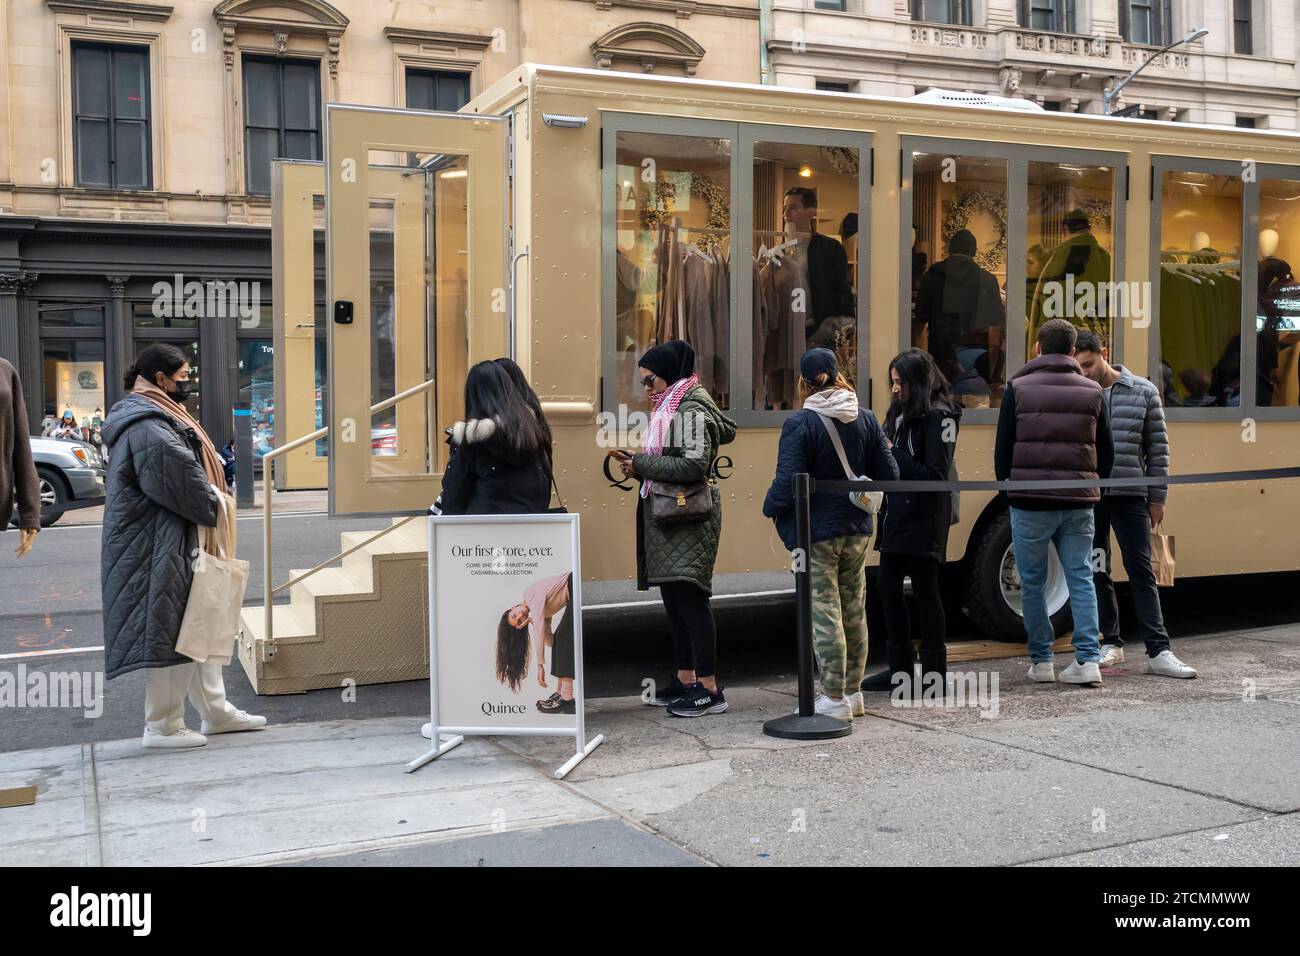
[(50, 600)]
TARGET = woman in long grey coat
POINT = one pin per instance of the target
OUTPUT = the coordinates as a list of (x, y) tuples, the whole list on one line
[(680, 443), (159, 489)]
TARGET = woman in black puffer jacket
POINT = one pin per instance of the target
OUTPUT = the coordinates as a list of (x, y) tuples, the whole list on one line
[(921, 425), (501, 454)]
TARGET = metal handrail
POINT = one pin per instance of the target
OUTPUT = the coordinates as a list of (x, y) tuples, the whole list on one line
[(268, 489)]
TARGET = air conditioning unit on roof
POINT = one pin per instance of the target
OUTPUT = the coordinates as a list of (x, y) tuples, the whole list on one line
[(955, 98)]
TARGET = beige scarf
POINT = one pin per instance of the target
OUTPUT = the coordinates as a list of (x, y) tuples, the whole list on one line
[(212, 466)]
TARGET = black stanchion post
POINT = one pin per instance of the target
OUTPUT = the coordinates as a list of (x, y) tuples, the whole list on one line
[(243, 454), (805, 725)]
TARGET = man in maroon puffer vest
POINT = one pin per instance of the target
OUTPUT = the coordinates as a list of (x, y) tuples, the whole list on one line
[(1052, 425)]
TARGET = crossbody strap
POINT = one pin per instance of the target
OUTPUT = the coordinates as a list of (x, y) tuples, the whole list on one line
[(839, 446)]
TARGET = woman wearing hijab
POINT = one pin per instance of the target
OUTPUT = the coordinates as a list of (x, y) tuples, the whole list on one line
[(831, 423), (685, 431), (164, 476)]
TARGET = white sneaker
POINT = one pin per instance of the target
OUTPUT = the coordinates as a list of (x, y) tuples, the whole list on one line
[(426, 731), (236, 722), (841, 708), (181, 740), (1111, 655), (1044, 672), (1078, 673), (856, 703), (1167, 665)]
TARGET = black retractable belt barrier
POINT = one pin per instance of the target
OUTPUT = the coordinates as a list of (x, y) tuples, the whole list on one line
[(806, 725)]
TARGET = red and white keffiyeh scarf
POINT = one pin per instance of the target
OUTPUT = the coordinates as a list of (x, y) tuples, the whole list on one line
[(665, 407)]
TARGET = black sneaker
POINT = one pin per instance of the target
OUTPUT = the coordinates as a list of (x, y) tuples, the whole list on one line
[(698, 702), (555, 704), (670, 692)]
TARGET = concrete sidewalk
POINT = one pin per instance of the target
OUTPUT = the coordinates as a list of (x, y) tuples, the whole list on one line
[(1143, 770)]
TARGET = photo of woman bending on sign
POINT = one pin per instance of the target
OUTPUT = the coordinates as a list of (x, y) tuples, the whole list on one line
[(532, 617)]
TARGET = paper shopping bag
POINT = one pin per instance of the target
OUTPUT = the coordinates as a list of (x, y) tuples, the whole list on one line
[(1162, 556), (211, 618)]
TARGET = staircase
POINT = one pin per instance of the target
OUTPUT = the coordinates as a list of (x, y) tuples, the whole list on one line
[(365, 620)]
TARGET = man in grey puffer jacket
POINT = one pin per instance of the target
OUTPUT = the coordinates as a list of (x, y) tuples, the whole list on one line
[(1137, 427)]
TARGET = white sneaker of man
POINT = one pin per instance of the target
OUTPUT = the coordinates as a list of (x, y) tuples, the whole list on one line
[(1167, 665), (856, 703), (1112, 655), (829, 707), (183, 739), (1077, 673), (1044, 672), (236, 722)]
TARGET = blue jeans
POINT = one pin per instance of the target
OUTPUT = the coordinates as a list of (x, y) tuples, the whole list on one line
[(1071, 530)]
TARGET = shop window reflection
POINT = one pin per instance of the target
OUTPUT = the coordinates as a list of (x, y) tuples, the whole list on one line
[(959, 271), (1277, 318), (1200, 287)]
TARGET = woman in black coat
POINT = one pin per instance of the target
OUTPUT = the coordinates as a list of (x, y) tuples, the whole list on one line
[(921, 425), (501, 454), (162, 484)]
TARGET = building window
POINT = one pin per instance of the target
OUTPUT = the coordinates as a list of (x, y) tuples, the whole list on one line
[(956, 12), (1241, 39), (1052, 106), (832, 87), (1247, 122), (281, 116), (444, 90), (110, 116), (830, 5), (1050, 16), (1149, 22), (72, 361)]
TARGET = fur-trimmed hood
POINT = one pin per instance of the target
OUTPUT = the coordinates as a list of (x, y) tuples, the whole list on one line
[(474, 430)]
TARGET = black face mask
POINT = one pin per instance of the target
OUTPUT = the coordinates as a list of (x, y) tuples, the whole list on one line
[(182, 392)]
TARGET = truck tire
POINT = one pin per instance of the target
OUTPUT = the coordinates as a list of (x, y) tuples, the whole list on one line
[(992, 594)]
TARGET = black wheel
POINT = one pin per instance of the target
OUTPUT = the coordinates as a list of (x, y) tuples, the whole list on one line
[(54, 491), (992, 595)]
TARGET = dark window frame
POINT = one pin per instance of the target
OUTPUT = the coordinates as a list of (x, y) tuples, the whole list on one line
[(1243, 43), (111, 119), (959, 13), (1062, 13), (435, 74), (1162, 21), (283, 129)]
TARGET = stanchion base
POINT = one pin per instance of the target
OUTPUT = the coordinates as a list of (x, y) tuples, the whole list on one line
[(812, 727)]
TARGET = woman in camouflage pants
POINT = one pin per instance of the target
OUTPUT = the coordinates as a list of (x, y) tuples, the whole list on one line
[(841, 530)]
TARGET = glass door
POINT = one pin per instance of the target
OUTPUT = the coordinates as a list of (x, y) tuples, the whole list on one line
[(416, 240), (298, 266)]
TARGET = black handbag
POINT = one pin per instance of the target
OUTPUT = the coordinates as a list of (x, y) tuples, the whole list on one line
[(672, 503)]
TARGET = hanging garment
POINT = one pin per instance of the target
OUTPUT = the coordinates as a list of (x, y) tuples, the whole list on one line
[(784, 286), (721, 315), (697, 313)]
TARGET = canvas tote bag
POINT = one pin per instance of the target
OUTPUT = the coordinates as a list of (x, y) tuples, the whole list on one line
[(211, 618), (1162, 556)]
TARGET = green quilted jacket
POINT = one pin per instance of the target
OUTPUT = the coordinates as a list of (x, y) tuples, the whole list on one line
[(683, 552)]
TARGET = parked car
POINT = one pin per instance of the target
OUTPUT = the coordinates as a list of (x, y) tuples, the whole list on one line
[(67, 471)]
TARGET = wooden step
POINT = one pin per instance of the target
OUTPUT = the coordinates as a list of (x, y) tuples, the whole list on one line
[(326, 582), (289, 621)]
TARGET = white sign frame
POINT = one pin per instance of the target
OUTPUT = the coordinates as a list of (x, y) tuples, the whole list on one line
[(444, 738)]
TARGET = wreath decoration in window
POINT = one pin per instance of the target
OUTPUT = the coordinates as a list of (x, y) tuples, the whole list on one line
[(957, 214)]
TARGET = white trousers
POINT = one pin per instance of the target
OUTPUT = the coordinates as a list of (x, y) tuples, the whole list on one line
[(166, 688)]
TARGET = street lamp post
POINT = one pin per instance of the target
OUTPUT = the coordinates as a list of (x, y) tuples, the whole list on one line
[(1108, 97)]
